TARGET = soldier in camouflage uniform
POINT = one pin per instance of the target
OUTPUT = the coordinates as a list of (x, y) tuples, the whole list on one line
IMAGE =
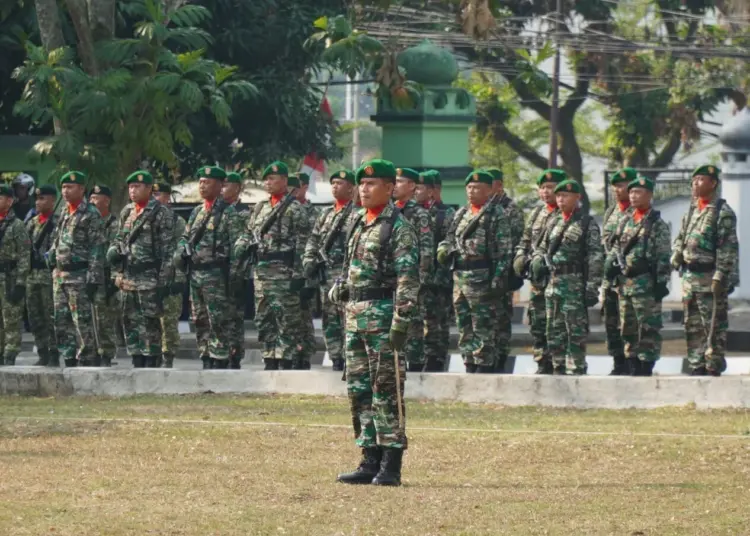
[(504, 313), (176, 282), (571, 256), (274, 240), (324, 258), (142, 248), (15, 254), (638, 263), (478, 246), (108, 307), (706, 251), (231, 193), (380, 286), (204, 252), (403, 193), (533, 234), (617, 212), (39, 305), (77, 256)]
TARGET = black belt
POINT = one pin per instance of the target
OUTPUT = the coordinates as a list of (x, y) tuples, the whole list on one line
[(286, 256), (8, 266), (566, 269), (368, 294), (208, 265), (699, 267), (477, 264), (135, 268), (73, 266)]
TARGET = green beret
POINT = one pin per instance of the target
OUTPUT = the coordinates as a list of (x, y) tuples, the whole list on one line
[(479, 175), (642, 182), (6, 190), (497, 174), (162, 188), (711, 171), (376, 169), (551, 175), (344, 174), (436, 179), (276, 168), (73, 177), (570, 186), (627, 174), (103, 190), (211, 172), (141, 176), (408, 173), (234, 178), (304, 178), (46, 189), (292, 181), (427, 178)]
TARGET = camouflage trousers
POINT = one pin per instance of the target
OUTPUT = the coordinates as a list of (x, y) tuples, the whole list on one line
[(211, 311), (414, 349), (436, 310), (278, 318), (371, 385), (641, 325), (475, 319), (333, 325), (567, 330), (141, 320), (74, 322), (504, 322), (611, 311), (10, 325), (306, 345), (537, 318), (109, 319), (237, 329), (41, 311), (703, 348), (169, 321)]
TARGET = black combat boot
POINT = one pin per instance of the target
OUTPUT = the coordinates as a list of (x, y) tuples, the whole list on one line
[(271, 364), (414, 367), (485, 369), (306, 365), (168, 361), (2, 361), (390, 468), (367, 470), (221, 364), (150, 361), (70, 363), (337, 364), (713, 372), (106, 361), (95, 362), (700, 370), (139, 361), (235, 360), (54, 360), (500, 365), (621, 366), (43, 358), (647, 368), (635, 366), (285, 364), (432, 365), (544, 367), (206, 362), (471, 368), (558, 371)]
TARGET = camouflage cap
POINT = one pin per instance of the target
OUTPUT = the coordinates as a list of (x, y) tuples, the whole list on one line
[(641, 182), (408, 173), (140, 177), (46, 189), (73, 177), (101, 190), (343, 174), (570, 186), (376, 169), (162, 187), (276, 168), (479, 176), (234, 177), (627, 174), (497, 174), (710, 171), (551, 175), (211, 172)]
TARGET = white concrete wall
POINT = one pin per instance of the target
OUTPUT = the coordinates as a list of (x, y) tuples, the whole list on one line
[(735, 189)]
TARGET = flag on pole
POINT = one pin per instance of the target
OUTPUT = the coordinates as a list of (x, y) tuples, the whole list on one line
[(312, 164)]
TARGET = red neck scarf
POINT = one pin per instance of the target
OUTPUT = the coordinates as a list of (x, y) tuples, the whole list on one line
[(373, 213)]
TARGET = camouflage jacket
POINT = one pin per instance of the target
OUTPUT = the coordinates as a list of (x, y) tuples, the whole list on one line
[(242, 215), (716, 249), (489, 242), (79, 246), (515, 218), (533, 233), (40, 273), (329, 221), (286, 238), (419, 217), (212, 259), (15, 251), (442, 219), (399, 271), (612, 218), (644, 247), (149, 249), (584, 253), (178, 229)]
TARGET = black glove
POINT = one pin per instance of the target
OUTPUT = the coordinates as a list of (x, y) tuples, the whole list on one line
[(611, 268), (539, 269), (307, 294), (177, 289), (114, 257), (661, 291), (398, 339), (17, 294), (91, 289)]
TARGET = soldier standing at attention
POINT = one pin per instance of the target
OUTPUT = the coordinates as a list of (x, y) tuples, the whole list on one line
[(616, 213), (107, 305), (324, 258), (274, 241), (39, 305), (478, 247), (403, 193), (571, 255), (706, 251), (531, 239), (231, 193), (639, 264), (380, 287), (15, 255), (77, 256), (170, 318)]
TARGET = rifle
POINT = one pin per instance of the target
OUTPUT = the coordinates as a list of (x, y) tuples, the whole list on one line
[(250, 257), (472, 227), (37, 258), (189, 248), (320, 268)]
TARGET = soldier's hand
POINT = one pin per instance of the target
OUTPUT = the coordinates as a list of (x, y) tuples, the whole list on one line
[(17, 294), (91, 289), (177, 289), (611, 268), (717, 288), (398, 339), (677, 260), (114, 257), (498, 287), (661, 291), (179, 261), (51, 258), (519, 265), (443, 255), (539, 269)]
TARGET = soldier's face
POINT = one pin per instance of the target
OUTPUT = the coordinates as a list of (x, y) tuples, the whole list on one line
[(231, 191), (44, 203), (436, 193), (139, 192), (165, 198), (209, 188), (498, 188), (567, 201), (620, 190), (301, 193), (101, 202), (404, 189), (703, 186), (5, 203), (275, 184), (342, 190), (421, 194), (478, 193), (375, 192), (640, 198), (547, 193), (72, 193)]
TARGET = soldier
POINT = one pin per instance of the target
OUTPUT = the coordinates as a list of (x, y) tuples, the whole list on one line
[(77, 256), (403, 192), (324, 258), (204, 253), (533, 234), (176, 282), (107, 305), (478, 247), (231, 193), (571, 256), (274, 241), (638, 262), (706, 252), (380, 287), (616, 213), (39, 303)]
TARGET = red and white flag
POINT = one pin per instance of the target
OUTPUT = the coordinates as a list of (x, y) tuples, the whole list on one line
[(314, 165)]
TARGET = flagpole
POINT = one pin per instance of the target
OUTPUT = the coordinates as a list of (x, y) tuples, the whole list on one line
[(355, 131)]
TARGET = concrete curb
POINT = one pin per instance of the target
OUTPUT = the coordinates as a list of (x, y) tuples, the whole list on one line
[(516, 390)]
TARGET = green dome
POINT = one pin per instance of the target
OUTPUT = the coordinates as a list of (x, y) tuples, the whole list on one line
[(429, 64)]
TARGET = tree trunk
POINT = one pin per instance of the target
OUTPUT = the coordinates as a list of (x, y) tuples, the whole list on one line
[(80, 17), (50, 30)]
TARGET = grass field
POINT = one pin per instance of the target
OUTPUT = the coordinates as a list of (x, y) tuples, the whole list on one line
[(223, 465)]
